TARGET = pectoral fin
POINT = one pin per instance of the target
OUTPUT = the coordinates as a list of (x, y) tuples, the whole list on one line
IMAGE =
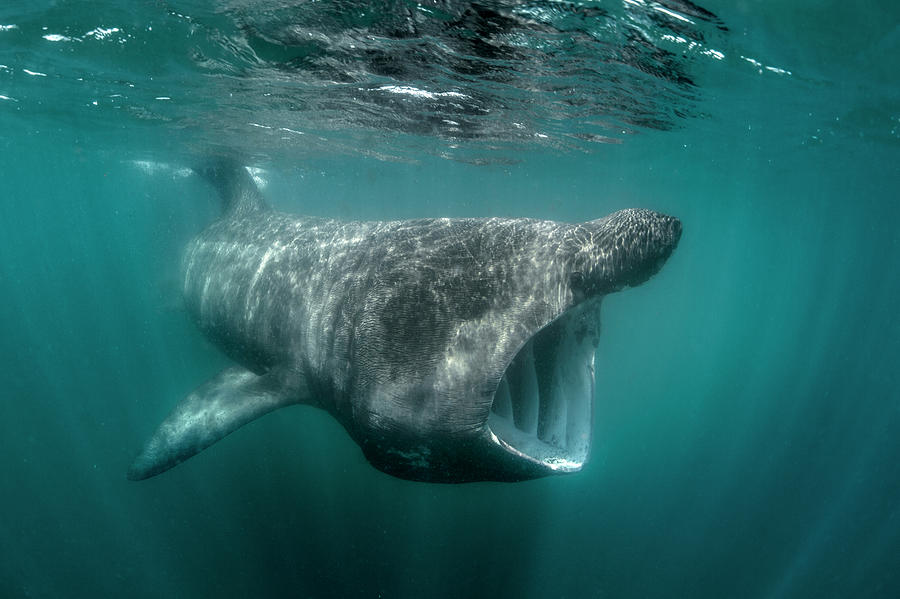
[(230, 400)]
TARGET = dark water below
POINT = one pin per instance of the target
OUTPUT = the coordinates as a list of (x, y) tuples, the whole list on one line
[(747, 435)]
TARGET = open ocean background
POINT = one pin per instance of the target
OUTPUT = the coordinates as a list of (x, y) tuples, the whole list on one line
[(747, 436)]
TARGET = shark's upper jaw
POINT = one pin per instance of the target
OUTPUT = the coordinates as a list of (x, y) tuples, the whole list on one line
[(542, 410)]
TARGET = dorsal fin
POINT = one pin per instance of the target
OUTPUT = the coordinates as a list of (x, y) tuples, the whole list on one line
[(239, 194)]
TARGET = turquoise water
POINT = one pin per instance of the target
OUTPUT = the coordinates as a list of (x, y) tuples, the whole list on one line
[(747, 434)]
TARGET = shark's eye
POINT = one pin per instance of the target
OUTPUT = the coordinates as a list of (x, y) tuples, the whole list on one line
[(576, 280)]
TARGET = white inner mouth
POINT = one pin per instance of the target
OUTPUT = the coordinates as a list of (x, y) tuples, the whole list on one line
[(543, 406)]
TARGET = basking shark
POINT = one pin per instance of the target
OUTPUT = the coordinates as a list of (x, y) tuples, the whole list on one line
[(451, 350)]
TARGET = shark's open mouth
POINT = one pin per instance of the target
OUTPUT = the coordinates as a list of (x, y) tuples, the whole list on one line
[(543, 407)]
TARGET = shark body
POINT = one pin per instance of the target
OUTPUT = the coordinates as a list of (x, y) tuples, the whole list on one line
[(451, 350)]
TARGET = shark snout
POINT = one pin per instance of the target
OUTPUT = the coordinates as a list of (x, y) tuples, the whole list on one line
[(664, 230), (660, 235), (627, 248)]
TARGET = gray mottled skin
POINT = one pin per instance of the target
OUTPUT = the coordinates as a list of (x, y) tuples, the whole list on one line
[(408, 331)]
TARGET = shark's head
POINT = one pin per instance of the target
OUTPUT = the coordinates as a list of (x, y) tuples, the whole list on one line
[(494, 376)]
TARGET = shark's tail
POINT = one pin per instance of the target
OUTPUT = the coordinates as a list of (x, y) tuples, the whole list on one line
[(239, 194)]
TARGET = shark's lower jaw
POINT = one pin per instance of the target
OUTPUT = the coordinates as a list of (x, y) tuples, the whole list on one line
[(542, 410)]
